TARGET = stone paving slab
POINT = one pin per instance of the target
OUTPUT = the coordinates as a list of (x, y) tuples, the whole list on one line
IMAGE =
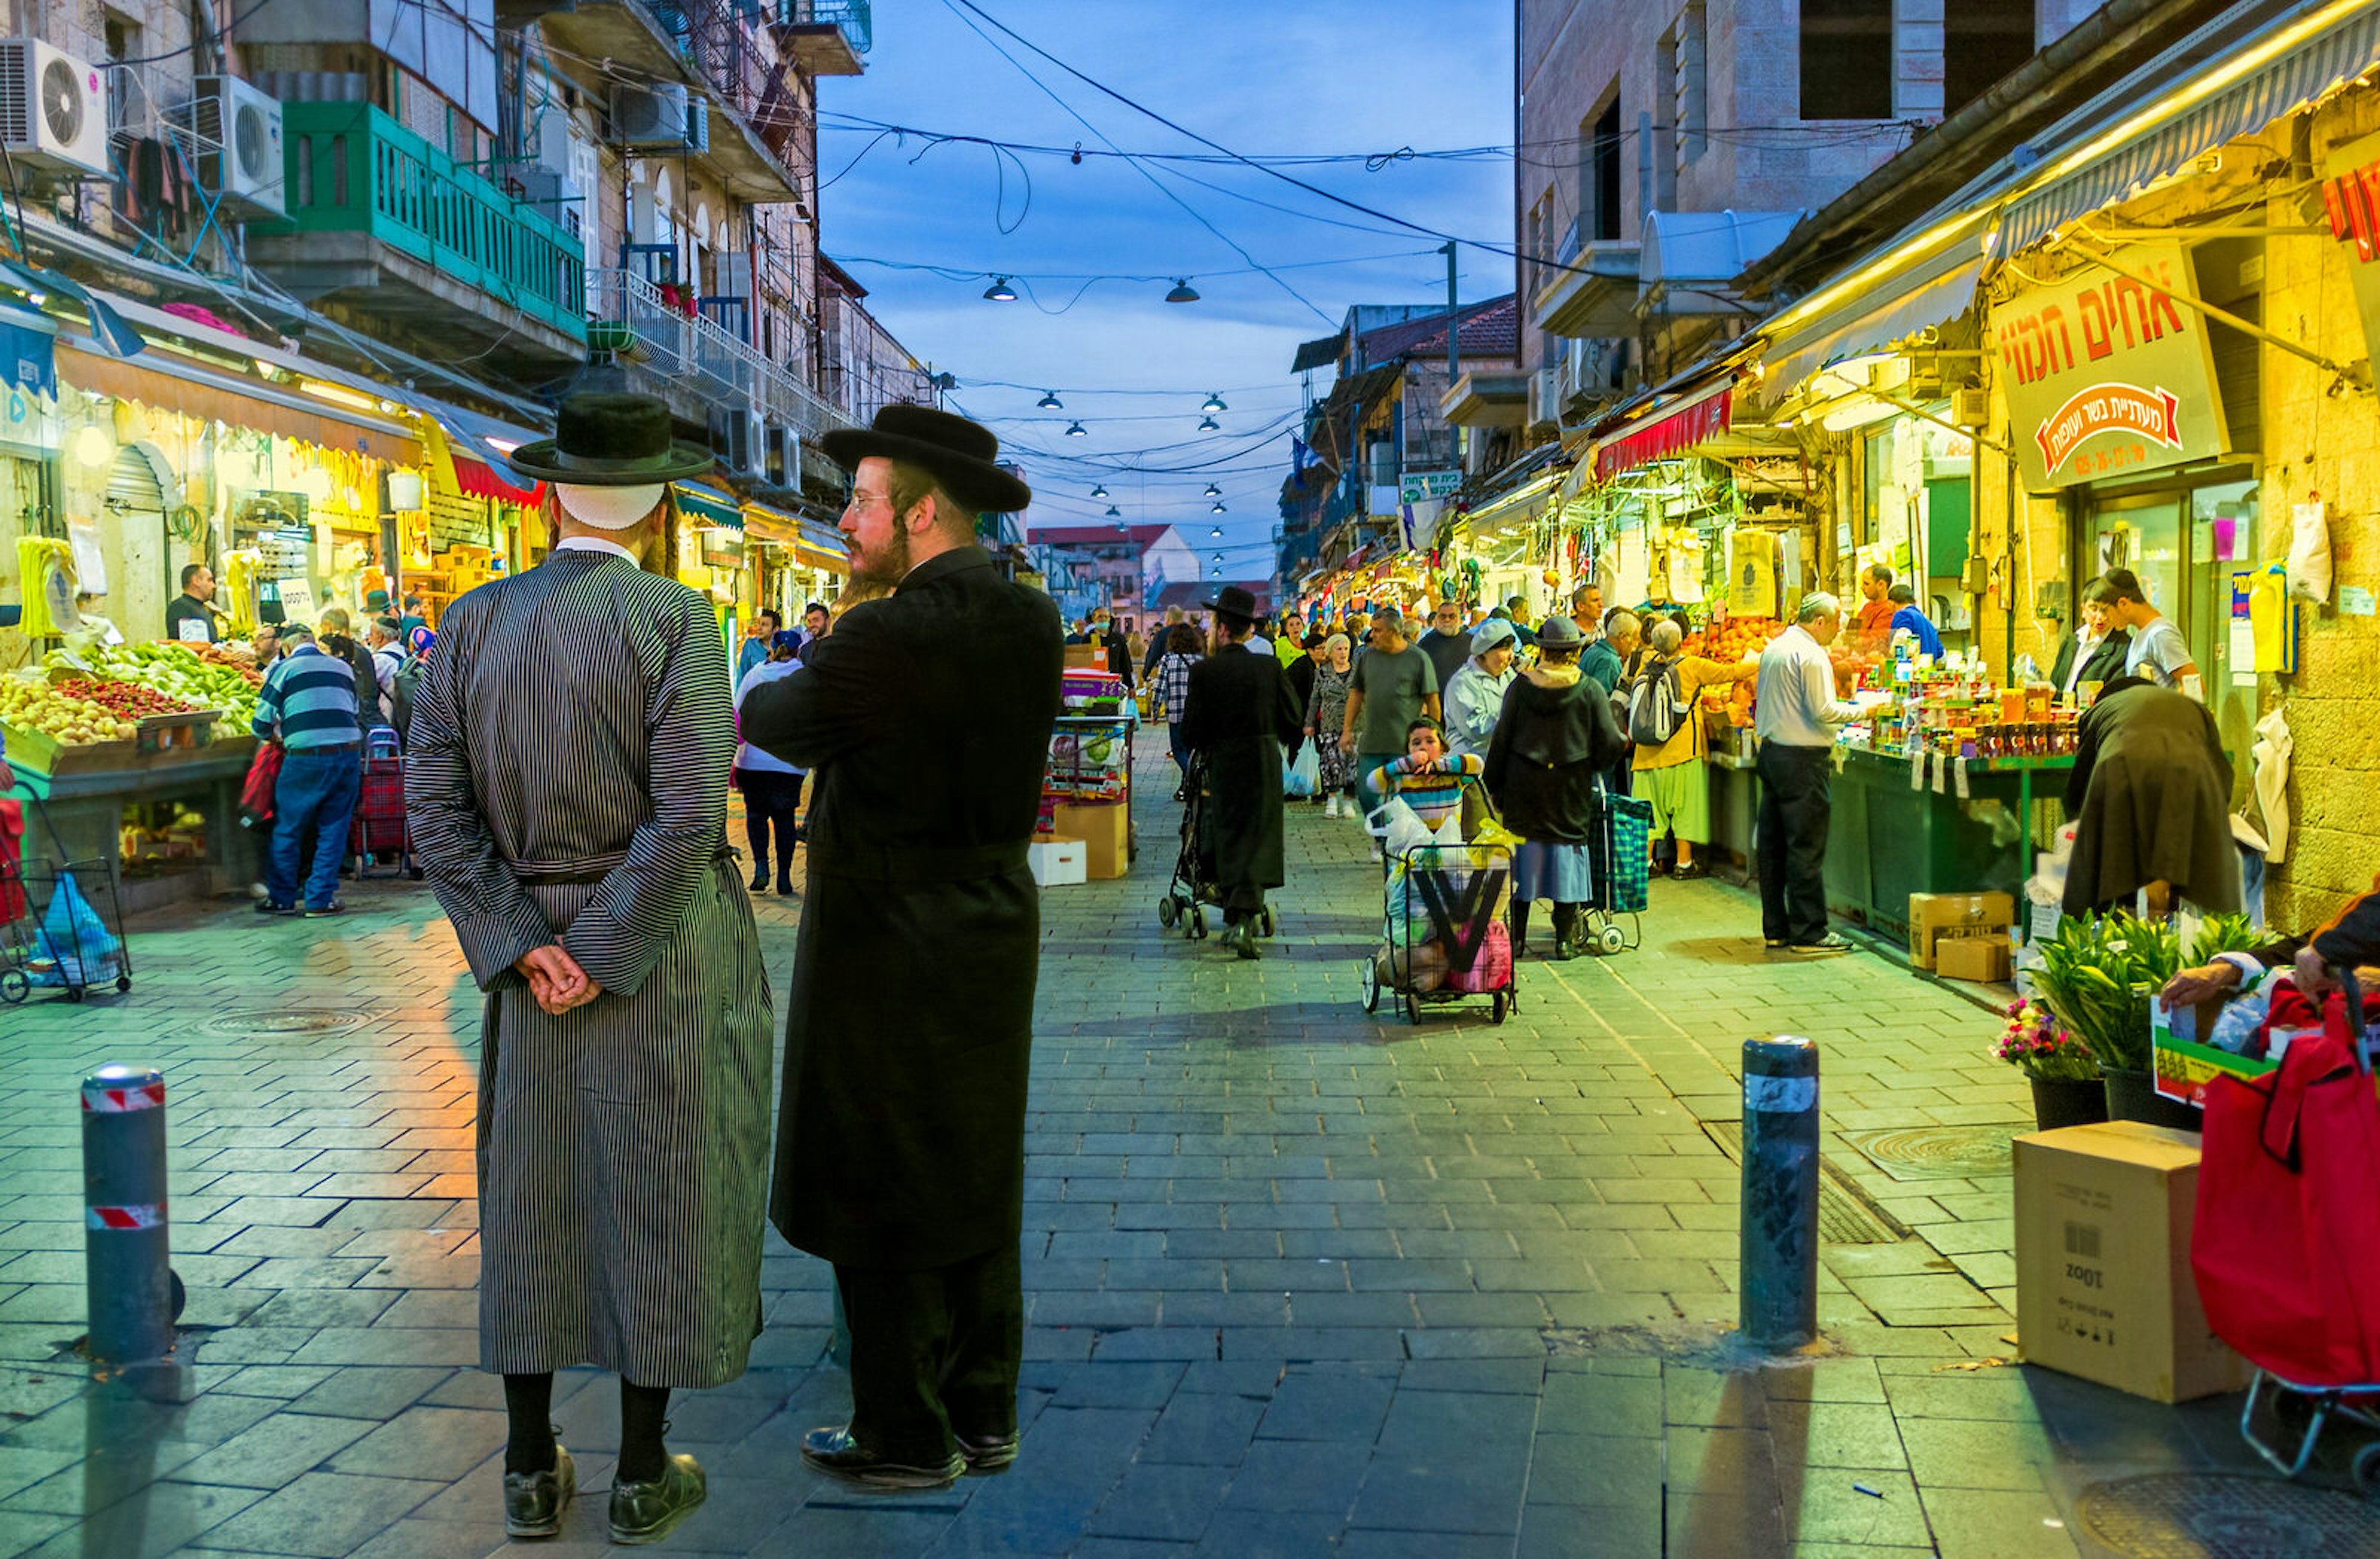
[(1301, 1280)]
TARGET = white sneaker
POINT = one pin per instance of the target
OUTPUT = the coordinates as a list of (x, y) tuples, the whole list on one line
[(1376, 853), (1330, 804)]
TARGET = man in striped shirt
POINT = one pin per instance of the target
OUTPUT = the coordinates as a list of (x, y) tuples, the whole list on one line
[(308, 703)]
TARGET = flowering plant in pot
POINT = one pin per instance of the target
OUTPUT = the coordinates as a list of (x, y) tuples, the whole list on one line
[(2067, 1088)]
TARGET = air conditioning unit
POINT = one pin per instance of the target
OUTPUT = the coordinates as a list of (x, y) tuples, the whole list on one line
[(53, 109), (783, 446), (737, 437), (1545, 396), (238, 127), (659, 117), (551, 195)]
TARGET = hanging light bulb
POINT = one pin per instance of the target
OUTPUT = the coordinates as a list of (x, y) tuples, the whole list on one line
[(1213, 490), (1214, 531), (1100, 491), (1215, 403), (1050, 401), (1182, 291), (1208, 425), (1218, 507), (1075, 429), (999, 291)]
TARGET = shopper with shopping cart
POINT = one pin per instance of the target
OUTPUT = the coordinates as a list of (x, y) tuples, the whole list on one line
[(1554, 741)]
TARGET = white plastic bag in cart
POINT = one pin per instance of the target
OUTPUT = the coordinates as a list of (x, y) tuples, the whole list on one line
[(75, 945)]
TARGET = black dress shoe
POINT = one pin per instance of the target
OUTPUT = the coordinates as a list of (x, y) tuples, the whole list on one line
[(645, 1511), (760, 881), (534, 1500), (785, 887), (992, 1453), (835, 1452)]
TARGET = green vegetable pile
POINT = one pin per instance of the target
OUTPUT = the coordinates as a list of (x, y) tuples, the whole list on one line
[(173, 669)]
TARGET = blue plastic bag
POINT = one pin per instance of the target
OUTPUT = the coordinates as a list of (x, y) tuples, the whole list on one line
[(1303, 775), (74, 936)]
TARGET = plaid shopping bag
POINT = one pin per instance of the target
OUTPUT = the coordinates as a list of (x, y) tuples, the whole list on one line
[(1628, 832)]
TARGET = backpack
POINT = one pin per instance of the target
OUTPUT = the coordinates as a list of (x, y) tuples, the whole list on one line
[(400, 693), (1657, 706)]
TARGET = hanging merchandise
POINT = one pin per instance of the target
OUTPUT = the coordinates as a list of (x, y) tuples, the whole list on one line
[(2273, 620), (2309, 550), (46, 565), (1752, 574)]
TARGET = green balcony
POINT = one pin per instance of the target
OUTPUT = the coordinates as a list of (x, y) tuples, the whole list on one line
[(384, 226)]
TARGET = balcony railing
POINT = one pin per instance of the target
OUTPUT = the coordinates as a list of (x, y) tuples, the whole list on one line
[(721, 368), (351, 168), (852, 15)]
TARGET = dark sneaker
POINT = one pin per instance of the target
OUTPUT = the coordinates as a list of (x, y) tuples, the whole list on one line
[(315, 912), (646, 1512), (534, 1500), (992, 1455), (760, 881), (835, 1452), (266, 906), (1689, 871)]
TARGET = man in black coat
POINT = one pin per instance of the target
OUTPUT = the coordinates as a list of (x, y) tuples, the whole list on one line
[(926, 717), (1240, 713)]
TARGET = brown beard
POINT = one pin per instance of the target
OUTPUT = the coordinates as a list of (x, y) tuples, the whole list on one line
[(884, 570)]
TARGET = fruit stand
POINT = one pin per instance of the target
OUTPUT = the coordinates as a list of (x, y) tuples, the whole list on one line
[(139, 753)]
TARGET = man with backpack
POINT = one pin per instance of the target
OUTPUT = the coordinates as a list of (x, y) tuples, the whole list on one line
[(1671, 764)]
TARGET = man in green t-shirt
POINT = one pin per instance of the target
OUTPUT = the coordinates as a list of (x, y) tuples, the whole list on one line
[(1393, 685)]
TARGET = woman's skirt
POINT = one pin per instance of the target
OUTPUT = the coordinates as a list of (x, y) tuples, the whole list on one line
[(1560, 873)]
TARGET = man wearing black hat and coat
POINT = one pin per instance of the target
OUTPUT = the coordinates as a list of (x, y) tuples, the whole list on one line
[(1239, 714), (900, 1132)]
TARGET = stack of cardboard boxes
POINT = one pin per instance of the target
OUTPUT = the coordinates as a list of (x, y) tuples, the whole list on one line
[(1961, 936)]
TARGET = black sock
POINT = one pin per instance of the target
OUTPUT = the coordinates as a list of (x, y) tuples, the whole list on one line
[(785, 850), (528, 1407), (1565, 922), (1520, 926), (641, 1409)]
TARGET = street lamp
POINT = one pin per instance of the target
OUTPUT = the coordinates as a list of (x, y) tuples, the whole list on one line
[(1208, 425), (1218, 507), (1075, 429), (999, 291), (1050, 402), (1215, 403), (1213, 490), (1100, 491), (1182, 291)]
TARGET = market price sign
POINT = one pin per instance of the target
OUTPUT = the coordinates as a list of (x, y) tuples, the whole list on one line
[(1420, 487), (2106, 376)]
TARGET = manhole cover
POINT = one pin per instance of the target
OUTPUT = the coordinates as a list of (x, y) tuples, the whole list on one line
[(268, 1025), (2218, 1516), (1937, 1152)]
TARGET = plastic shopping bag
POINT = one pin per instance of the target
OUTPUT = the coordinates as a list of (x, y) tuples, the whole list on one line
[(2310, 553), (1303, 775), (80, 948)]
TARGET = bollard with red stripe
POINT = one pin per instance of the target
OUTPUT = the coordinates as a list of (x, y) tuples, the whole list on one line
[(127, 1249)]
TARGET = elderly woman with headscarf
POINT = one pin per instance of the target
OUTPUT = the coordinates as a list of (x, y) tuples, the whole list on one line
[(1674, 774), (1326, 710), (1474, 694)]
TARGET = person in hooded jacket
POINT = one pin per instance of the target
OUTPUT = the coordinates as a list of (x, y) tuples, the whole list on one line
[(1553, 740)]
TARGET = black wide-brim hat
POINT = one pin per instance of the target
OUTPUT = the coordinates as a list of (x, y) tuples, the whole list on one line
[(1233, 602), (605, 439), (959, 452)]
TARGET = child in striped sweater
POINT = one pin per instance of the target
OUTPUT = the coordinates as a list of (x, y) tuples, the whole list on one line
[(1428, 777)]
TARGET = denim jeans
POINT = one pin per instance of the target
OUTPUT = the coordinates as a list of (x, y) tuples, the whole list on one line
[(313, 803)]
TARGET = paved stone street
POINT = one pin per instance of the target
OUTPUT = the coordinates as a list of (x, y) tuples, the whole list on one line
[(1302, 1281)]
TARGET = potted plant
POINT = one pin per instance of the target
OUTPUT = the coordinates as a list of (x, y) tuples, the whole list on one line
[(2067, 1087), (2099, 974)]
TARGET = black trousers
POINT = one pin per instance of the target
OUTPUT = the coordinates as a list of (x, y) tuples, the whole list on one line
[(769, 796), (1791, 846), (934, 1353)]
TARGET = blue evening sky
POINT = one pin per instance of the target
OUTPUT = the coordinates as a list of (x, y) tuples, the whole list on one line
[(1309, 76)]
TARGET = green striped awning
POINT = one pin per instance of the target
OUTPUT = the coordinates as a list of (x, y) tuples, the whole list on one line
[(708, 505)]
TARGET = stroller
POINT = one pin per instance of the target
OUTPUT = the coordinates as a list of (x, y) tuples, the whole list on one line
[(1192, 890), (1442, 934), (2282, 1240)]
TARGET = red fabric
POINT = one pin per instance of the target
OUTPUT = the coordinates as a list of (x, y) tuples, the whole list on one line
[(12, 862), (479, 479), (1665, 435), (379, 821), (256, 793), (1492, 968), (2286, 1242)]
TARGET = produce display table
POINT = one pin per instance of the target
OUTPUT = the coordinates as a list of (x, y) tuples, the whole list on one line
[(1888, 841), (86, 804)]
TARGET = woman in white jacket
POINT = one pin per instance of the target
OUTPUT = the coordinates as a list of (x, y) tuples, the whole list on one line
[(1474, 694)]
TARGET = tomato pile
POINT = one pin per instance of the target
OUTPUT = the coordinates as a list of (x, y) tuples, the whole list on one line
[(125, 700)]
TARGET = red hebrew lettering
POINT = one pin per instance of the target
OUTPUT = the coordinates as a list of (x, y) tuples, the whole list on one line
[(2094, 310)]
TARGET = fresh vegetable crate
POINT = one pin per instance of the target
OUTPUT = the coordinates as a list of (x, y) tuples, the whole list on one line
[(45, 754)]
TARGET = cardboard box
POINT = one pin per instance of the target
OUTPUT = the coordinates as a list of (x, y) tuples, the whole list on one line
[(1057, 860), (1105, 827), (1091, 656), (1982, 956), (2104, 1288), (1930, 915)]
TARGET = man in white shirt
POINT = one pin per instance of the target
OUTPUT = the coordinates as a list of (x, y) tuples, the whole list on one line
[(388, 655), (2159, 653), (1794, 714)]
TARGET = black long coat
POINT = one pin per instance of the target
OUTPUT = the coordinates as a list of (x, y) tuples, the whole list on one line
[(1553, 743), (925, 718), (1240, 712), (2106, 663), (2150, 796)]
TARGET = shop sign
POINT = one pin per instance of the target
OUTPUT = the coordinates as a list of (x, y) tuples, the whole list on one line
[(1420, 487), (2350, 195), (2106, 377), (722, 546)]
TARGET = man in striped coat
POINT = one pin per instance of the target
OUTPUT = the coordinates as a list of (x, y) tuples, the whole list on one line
[(567, 791)]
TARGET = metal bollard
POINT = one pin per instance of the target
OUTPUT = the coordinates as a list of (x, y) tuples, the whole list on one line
[(1779, 1229), (126, 1252)]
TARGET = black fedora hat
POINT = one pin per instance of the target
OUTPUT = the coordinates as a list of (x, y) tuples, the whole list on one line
[(958, 451), (1233, 602), (605, 439)]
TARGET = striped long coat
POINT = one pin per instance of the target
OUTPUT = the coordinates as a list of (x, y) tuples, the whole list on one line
[(567, 781)]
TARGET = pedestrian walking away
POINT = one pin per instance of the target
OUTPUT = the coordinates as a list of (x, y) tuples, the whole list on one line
[(772, 787), (1554, 741), (1173, 683), (908, 1033), (1795, 715), (308, 705), (567, 793), (1241, 713)]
